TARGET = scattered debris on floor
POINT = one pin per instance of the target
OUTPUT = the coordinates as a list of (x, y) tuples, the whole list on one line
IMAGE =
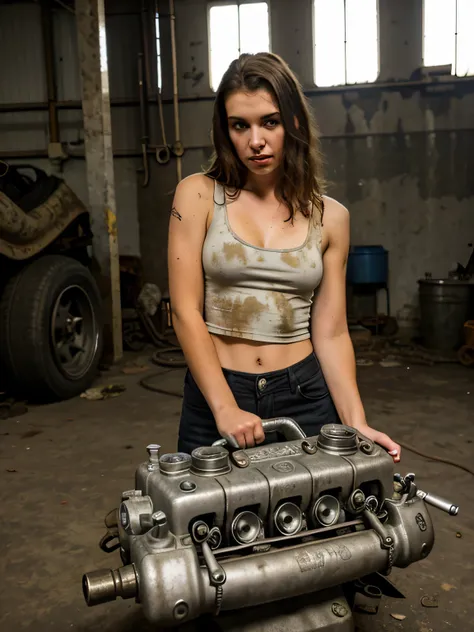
[(10, 407), (428, 601), (447, 587), (103, 392), (398, 617)]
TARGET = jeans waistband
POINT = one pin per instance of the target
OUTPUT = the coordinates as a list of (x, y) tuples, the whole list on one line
[(273, 380)]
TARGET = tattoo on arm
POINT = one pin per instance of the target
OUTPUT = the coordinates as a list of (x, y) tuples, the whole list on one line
[(175, 213)]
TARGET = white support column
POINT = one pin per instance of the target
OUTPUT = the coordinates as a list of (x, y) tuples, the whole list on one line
[(92, 45)]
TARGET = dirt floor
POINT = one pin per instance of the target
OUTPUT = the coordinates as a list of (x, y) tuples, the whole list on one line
[(64, 466)]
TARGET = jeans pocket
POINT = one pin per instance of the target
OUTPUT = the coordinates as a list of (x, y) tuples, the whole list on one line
[(315, 388)]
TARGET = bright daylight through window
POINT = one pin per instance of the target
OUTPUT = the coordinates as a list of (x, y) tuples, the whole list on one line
[(447, 35), (235, 29), (346, 49), (158, 51)]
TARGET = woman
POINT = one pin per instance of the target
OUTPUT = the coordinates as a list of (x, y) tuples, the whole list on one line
[(257, 258)]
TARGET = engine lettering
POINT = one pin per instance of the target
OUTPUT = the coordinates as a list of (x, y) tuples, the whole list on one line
[(420, 521), (274, 451), (309, 561)]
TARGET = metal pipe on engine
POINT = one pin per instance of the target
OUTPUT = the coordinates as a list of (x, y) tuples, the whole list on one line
[(286, 573), (102, 586)]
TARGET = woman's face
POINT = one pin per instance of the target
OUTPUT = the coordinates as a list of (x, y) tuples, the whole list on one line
[(256, 130)]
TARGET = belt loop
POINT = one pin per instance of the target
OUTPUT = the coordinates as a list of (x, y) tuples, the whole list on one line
[(292, 380)]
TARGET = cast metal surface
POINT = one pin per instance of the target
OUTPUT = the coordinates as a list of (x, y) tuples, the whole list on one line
[(206, 536)]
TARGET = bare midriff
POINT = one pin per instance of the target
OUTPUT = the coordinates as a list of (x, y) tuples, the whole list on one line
[(259, 357)]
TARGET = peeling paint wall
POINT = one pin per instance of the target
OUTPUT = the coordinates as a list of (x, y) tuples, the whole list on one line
[(399, 157)]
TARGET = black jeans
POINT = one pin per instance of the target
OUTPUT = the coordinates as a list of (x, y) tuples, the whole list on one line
[(299, 392)]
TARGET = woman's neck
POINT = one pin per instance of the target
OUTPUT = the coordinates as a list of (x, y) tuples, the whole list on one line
[(262, 186)]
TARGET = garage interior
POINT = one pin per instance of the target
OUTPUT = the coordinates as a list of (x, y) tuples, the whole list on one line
[(113, 98)]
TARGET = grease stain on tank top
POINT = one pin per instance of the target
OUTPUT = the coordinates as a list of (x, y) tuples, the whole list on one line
[(261, 258), (287, 314), (235, 251), (238, 314), (215, 259), (290, 259)]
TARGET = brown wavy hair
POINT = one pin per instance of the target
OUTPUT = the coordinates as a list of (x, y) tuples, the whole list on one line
[(302, 183)]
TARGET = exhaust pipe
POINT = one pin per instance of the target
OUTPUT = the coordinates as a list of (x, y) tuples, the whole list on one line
[(106, 585)]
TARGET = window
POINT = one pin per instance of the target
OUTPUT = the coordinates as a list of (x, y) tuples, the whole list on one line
[(345, 42), (158, 51), (235, 28), (447, 35)]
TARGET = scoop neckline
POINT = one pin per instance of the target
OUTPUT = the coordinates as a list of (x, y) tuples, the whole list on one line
[(249, 245)]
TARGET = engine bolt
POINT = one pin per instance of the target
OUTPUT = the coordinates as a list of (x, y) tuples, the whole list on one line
[(187, 486), (358, 498), (201, 530), (159, 518), (153, 453), (181, 610), (339, 609)]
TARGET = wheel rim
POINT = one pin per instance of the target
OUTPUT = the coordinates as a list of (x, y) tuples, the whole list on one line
[(74, 332)]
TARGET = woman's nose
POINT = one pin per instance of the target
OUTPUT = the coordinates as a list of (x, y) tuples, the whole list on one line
[(256, 139)]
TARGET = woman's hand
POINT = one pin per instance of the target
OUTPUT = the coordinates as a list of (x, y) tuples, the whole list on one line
[(246, 428), (382, 439)]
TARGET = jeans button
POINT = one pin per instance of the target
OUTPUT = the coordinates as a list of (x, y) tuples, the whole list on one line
[(262, 382)]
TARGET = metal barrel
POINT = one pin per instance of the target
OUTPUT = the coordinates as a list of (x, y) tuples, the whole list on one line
[(444, 308)]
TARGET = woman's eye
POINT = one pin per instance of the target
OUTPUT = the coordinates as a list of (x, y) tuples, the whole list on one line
[(272, 123), (239, 126)]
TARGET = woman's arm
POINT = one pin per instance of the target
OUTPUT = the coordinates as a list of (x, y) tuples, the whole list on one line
[(330, 334), (187, 230)]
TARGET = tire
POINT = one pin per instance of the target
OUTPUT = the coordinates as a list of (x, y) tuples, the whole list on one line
[(50, 329)]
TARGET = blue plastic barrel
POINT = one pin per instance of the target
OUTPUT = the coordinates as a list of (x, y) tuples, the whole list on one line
[(367, 265)]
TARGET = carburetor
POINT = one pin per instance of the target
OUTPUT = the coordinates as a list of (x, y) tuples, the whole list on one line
[(222, 530)]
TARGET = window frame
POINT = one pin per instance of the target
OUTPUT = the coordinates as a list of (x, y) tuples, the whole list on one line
[(158, 56), (223, 3), (454, 66), (345, 84)]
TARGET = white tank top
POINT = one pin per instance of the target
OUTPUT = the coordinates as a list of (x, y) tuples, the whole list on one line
[(254, 293)]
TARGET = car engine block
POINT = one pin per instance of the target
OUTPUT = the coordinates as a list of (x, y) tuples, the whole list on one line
[(225, 530)]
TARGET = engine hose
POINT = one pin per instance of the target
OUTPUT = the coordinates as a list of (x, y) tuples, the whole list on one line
[(145, 382), (157, 358)]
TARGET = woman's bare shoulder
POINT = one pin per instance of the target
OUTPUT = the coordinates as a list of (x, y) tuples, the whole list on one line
[(336, 222), (196, 185), (334, 210)]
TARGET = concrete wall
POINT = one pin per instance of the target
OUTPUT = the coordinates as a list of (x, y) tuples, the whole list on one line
[(397, 155)]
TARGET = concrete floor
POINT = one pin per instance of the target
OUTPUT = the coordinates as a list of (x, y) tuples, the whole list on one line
[(64, 466)]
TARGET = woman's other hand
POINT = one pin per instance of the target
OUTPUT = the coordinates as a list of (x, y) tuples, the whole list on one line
[(383, 440)]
